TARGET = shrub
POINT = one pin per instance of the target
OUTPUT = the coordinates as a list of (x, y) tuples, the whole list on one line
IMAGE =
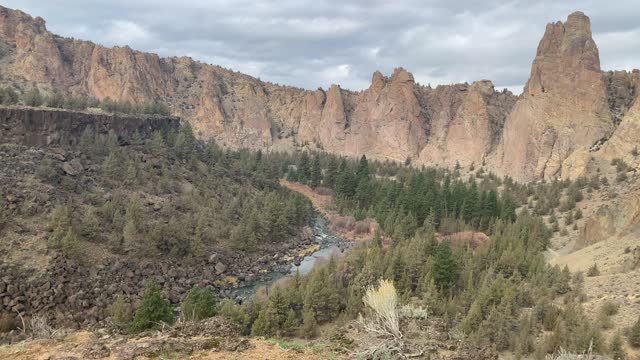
[(568, 220), (383, 300), (8, 96), (578, 214), (609, 308), (616, 348), (7, 322), (634, 334), (621, 165), (120, 312), (32, 97), (232, 311), (413, 312), (40, 328), (621, 177), (198, 305), (362, 227), (154, 310), (593, 270)]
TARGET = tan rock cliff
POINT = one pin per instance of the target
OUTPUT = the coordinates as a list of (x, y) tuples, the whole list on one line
[(570, 116)]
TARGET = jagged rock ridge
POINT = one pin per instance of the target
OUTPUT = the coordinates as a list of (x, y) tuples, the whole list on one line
[(567, 115)]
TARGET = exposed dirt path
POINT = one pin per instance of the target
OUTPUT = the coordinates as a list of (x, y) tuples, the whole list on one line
[(344, 226), (321, 202)]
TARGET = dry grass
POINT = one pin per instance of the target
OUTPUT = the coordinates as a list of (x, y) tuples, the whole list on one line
[(75, 344), (383, 300), (565, 355)]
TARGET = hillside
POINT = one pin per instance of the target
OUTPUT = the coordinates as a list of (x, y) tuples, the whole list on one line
[(530, 137), (101, 203)]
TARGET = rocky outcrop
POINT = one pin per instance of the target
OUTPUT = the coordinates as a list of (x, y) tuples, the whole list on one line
[(619, 217), (569, 114), (625, 103), (49, 127), (564, 107)]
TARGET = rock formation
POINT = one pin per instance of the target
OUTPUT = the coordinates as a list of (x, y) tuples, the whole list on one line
[(570, 112), (563, 108)]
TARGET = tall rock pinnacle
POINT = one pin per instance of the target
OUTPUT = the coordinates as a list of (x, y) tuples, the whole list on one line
[(563, 110)]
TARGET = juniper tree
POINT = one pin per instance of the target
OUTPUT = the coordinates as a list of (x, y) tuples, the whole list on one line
[(153, 311), (198, 305)]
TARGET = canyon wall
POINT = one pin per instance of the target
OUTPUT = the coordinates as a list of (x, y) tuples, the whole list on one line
[(569, 114)]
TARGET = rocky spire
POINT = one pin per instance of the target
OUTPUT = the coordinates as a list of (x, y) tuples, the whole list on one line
[(565, 49), (563, 110)]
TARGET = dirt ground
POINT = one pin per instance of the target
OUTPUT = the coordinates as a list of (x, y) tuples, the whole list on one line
[(79, 345)]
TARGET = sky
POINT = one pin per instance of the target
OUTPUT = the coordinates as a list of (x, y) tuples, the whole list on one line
[(316, 43)]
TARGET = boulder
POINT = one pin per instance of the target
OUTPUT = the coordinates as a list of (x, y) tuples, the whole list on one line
[(73, 167), (220, 268)]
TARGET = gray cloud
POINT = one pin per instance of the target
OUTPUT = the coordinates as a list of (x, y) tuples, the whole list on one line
[(311, 43)]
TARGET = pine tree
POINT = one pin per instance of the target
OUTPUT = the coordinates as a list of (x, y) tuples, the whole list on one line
[(185, 142), (87, 141), (363, 169), (111, 166), (316, 172), (331, 174), (309, 324), (264, 324), (157, 144), (291, 323), (198, 305), (153, 310), (304, 169), (445, 269), (89, 226), (131, 174), (130, 235), (346, 181)]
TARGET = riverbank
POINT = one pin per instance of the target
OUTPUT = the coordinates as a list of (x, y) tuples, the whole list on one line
[(343, 226), (326, 244)]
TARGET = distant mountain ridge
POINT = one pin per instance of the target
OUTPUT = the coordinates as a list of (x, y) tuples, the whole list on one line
[(570, 119)]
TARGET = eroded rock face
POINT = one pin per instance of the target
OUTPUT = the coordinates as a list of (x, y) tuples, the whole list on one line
[(394, 119), (569, 113), (563, 107), (625, 140), (620, 217)]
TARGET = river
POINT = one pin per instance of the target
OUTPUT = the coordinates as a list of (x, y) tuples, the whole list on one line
[(330, 244)]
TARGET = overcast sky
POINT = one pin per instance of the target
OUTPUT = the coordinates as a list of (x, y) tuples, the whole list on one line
[(312, 43)]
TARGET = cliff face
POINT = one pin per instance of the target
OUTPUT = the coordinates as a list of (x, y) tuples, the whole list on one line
[(563, 108), (570, 110), (45, 127), (394, 119)]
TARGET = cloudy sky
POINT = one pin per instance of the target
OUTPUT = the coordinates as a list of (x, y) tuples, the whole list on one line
[(312, 43)]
